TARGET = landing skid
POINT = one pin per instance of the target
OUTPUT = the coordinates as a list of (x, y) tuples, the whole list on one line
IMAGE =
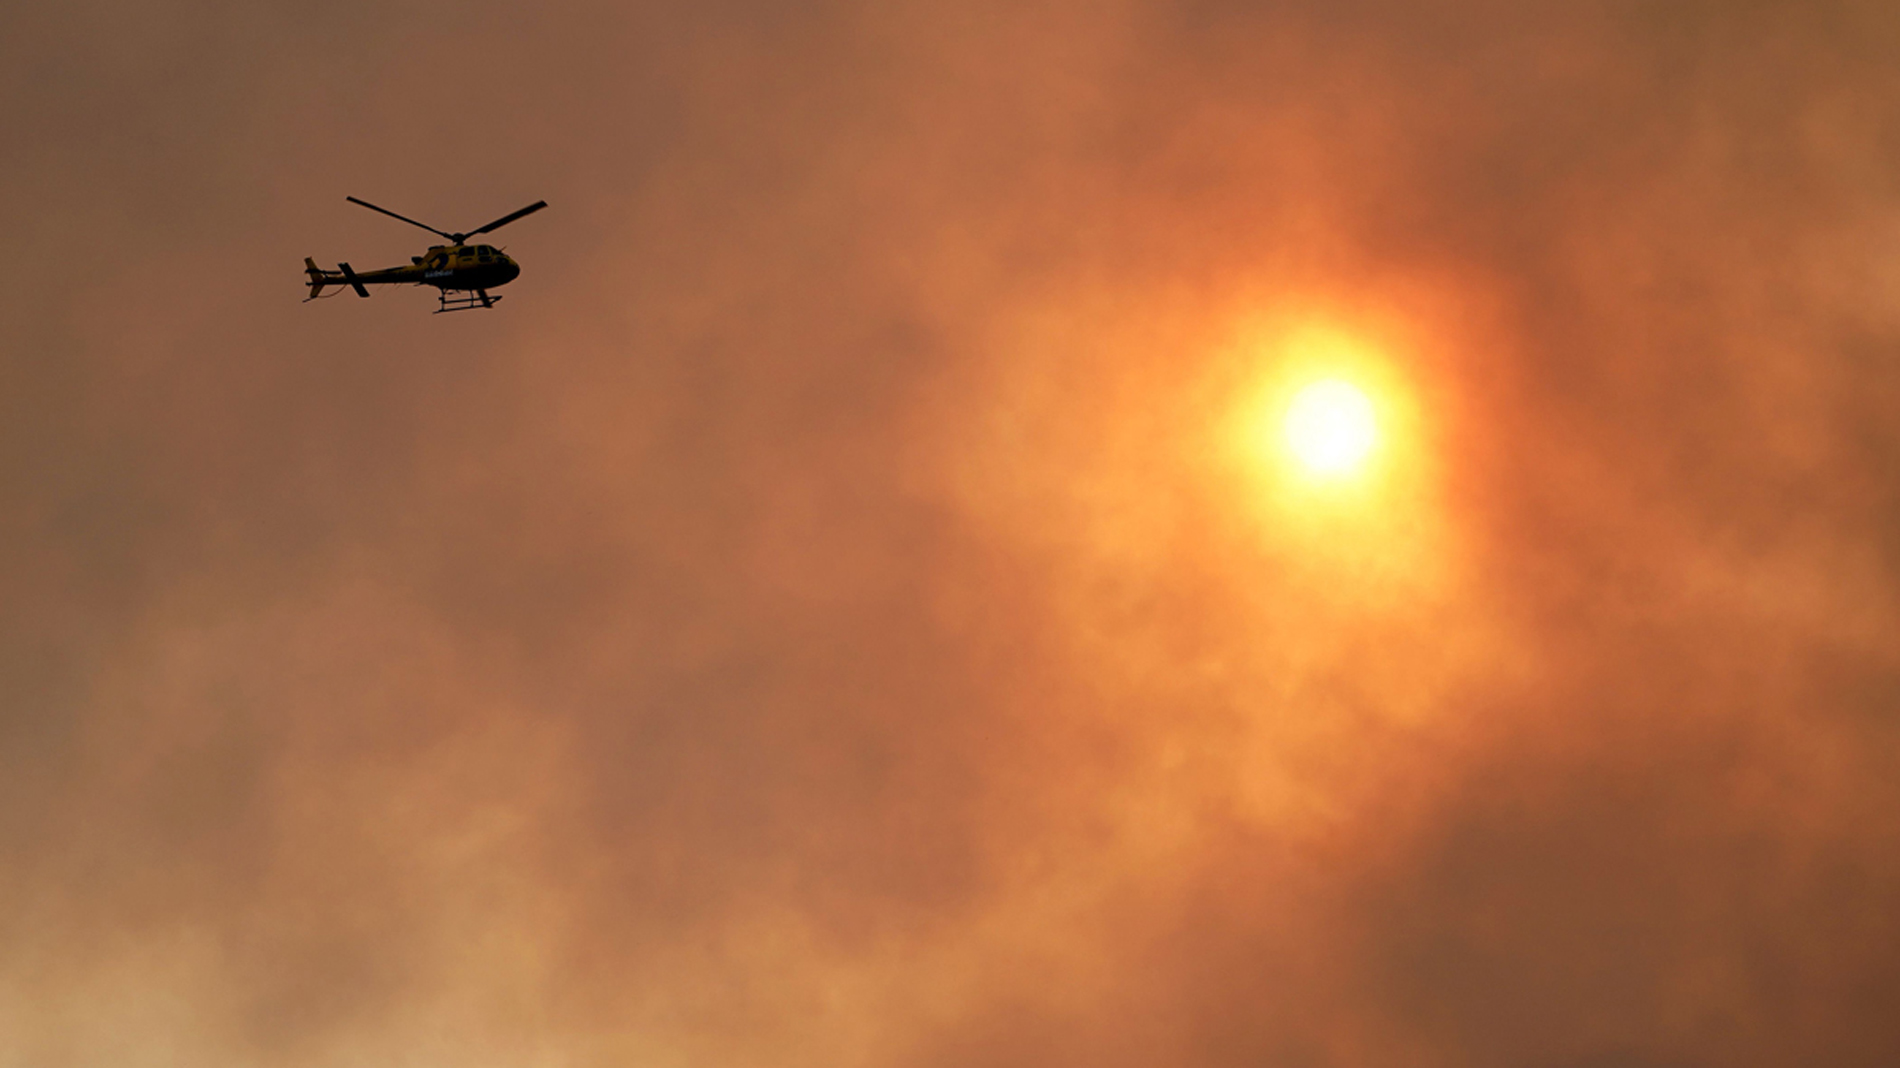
[(464, 300)]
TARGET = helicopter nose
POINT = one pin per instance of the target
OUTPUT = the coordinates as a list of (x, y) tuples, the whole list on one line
[(510, 271)]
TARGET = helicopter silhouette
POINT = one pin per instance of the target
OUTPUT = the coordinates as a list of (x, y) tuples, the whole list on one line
[(469, 271)]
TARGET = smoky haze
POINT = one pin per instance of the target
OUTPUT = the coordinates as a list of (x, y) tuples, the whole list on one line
[(817, 618)]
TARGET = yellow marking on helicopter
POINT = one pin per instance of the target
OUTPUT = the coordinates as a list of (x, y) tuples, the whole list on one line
[(457, 267)]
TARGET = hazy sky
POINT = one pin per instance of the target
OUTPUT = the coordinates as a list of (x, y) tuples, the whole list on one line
[(830, 615)]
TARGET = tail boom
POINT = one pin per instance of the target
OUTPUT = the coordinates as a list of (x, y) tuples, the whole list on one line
[(355, 282), (345, 275)]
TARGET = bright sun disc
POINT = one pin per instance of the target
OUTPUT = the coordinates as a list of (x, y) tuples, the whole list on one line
[(1330, 427)]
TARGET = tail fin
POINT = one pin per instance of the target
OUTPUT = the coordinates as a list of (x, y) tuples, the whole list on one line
[(316, 277)]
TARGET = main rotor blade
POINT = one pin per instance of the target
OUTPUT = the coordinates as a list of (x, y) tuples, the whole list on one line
[(506, 219), (404, 218)]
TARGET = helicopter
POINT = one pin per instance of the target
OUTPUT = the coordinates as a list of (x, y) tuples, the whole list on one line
[(467, 271)]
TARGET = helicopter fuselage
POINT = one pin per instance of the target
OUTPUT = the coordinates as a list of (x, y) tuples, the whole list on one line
[(461, 267)]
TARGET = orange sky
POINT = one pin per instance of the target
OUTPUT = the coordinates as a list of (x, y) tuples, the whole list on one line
[(831, 613)]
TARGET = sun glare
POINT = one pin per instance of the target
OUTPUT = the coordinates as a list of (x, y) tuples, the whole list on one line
[(1331, 427)]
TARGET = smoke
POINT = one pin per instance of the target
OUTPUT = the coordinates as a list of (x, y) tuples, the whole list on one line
[(829, 614)]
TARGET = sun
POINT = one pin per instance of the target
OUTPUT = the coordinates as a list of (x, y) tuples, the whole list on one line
[(1331, 427)]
